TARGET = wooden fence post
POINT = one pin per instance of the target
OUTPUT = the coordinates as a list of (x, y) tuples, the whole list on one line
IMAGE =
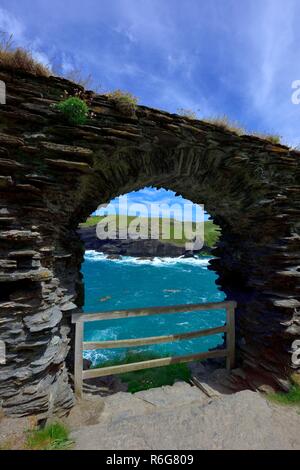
[(78, 359), (230, 336)]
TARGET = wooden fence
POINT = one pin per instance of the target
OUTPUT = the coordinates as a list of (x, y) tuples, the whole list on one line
[(81, 345)]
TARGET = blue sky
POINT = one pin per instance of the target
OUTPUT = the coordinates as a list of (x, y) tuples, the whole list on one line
[(139, 203), (215, 57)]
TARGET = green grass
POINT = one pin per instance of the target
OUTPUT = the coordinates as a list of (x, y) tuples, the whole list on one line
[(211, 231), (292, 397), (149, 378), (52, 437)]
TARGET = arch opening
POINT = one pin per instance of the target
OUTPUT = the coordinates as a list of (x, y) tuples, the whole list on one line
[(152, 264)]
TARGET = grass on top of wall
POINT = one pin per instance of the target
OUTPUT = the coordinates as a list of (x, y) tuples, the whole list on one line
[(224, 123), (149, 378), (17, 58)]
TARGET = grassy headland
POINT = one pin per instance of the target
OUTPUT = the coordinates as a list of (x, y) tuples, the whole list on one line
[(177, 236)]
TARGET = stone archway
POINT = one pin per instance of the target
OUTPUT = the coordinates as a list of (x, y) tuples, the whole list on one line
[(54, 175)]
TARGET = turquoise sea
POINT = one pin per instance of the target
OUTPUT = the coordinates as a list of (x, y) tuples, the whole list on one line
[(133, 283)]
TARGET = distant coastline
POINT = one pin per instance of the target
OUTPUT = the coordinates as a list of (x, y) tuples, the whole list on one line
[(145, 247)]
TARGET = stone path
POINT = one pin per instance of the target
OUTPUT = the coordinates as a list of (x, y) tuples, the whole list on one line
[(183, 417)]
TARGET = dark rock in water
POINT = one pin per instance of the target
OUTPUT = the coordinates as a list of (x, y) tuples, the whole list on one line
[(190, 254), (114, 257)]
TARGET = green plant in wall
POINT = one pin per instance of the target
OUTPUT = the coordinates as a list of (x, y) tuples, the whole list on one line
[(74, 109), (125, 102)]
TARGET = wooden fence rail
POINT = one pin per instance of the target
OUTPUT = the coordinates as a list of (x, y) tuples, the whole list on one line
[(81, 345)]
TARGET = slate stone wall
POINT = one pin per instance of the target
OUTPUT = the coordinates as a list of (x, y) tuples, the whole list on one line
[(54, 175)]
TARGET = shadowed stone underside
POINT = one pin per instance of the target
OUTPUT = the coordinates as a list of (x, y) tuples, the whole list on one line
[(53, 175)]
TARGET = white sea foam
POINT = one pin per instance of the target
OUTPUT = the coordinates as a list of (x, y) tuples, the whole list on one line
[(105, 334), (99, 357), (92, 255)]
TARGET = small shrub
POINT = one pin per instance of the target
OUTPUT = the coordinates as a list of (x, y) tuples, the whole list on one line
[(224, 123), (124, 102), (52, 437), (74, 109), (17, 58), (274, 139), (187, 113)]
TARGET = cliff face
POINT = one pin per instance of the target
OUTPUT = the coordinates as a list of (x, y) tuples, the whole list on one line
[(53, 175), (139, 248)]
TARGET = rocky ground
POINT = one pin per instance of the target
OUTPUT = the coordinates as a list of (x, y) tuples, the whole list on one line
[(184, 416)]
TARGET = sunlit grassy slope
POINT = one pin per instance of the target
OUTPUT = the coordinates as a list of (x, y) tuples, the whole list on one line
[(164, 226)]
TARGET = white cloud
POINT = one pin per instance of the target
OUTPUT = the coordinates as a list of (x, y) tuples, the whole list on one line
[(41, 57), (125, 32), (273, 65), (11, 25), (67, 63)]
